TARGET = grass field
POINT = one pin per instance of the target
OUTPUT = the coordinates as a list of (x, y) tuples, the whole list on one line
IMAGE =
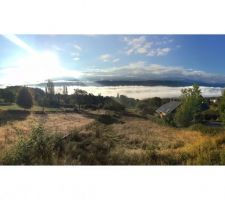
[(34, 108), (103, 137)]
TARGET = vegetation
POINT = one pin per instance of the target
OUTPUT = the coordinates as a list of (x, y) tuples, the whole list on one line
[(222, 107), (191, 106), (35, 150), (85, 129), (100, 144), (148, 106), (7, 96), (24, 98)]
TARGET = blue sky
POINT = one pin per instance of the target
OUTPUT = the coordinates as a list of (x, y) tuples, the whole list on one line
[(34, 58)]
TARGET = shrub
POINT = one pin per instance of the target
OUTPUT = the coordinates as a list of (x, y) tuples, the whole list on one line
[(24, 98), (107, 119), (38, 149), (210, 114), (111, 104), (163, 122)]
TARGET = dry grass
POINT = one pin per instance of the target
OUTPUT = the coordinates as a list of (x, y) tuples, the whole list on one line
[(142, 133), (135, 140), (60, 123)]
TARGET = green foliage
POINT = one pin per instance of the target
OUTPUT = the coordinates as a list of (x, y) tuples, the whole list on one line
[(35, 150), (7, 95), (79, 97), (148, 106), (24, 98), (191, 106), (90, 148), (125, 101), (163, 122), (111, 104), (210, 114), (222, 107)]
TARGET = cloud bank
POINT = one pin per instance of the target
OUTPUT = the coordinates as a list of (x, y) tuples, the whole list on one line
[(142, 92), (145, 71)]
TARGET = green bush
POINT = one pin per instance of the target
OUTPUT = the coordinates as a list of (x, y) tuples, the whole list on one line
[(111, 104), (163, 122), (210, 115), (24, 98), (38, 149), (149, 106)]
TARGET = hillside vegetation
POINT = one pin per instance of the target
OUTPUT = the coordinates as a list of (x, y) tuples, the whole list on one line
[(65, 139), (83, 129)]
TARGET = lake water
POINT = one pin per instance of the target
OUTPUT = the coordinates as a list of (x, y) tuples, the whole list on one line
[(141, 92)]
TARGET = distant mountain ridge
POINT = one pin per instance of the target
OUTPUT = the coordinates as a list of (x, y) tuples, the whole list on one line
[(170, 83)]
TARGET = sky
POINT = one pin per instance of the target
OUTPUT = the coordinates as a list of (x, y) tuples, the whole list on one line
[(26, 59)]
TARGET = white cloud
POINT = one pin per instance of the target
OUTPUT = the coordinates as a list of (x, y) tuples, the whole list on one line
[(139, 45), (76, 46), (116, 60), (108, 58), (76, 55), (159, 52), (105, 57), (144, 71), (76, 58)]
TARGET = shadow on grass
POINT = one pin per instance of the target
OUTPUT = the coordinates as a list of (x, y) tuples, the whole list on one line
[(12, 115), (102, 118), (131, 114)]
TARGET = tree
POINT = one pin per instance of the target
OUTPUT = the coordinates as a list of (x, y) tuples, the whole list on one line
[(222, 107), (50, 88), (79, 97), (148, 106), (7, 95), (191, 106), (65, 91), (24, 98)]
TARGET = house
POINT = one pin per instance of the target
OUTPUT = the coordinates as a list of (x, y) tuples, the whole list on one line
[(168, 108)]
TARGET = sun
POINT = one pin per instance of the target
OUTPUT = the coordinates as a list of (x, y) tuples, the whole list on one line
[(38, 67)]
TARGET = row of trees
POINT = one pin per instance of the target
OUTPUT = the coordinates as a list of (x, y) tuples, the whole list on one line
[(190, 111), (26, 97)]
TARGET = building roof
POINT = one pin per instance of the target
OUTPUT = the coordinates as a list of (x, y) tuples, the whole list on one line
[(168, 107)]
